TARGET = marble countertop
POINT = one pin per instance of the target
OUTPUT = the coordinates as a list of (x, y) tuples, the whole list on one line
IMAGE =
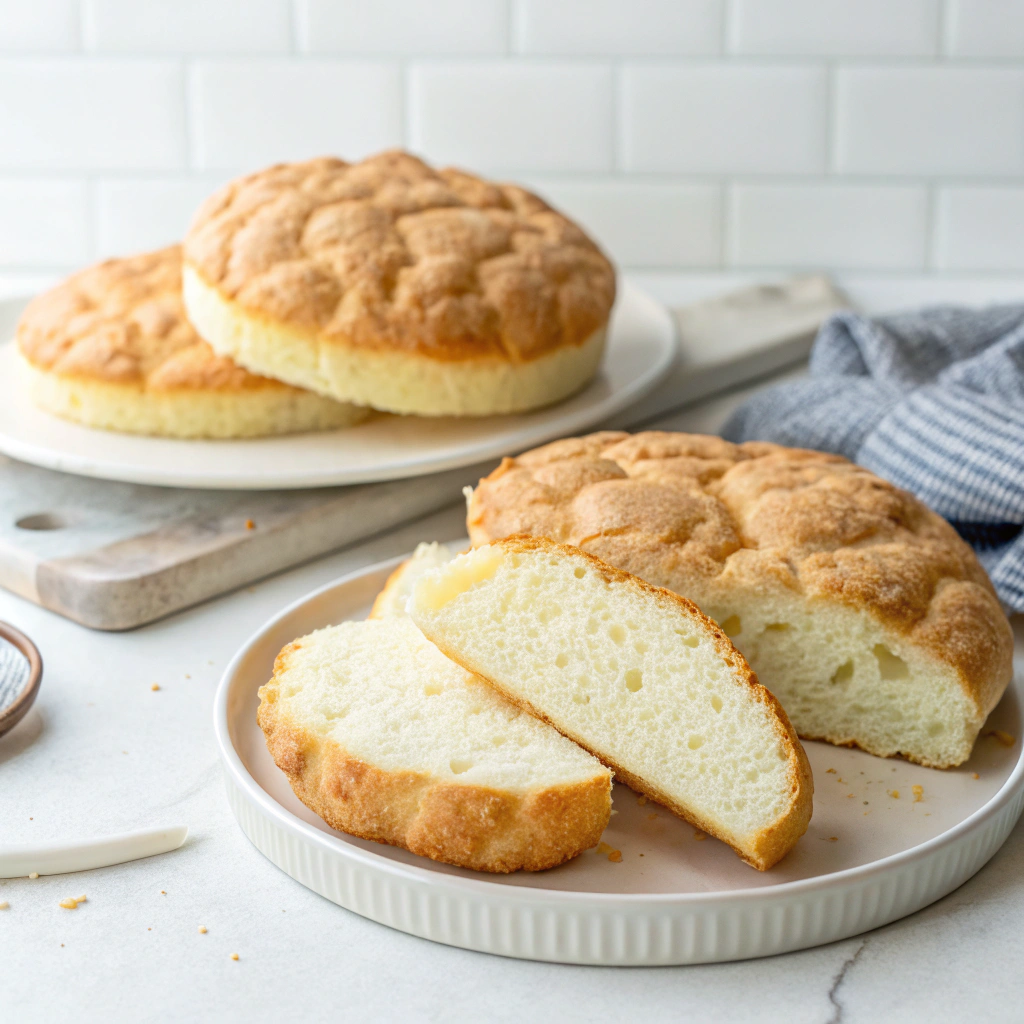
[(102, 751)]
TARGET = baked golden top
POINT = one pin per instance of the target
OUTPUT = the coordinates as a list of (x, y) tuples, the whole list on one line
[(123, 322), (704, 517), (392, 254)]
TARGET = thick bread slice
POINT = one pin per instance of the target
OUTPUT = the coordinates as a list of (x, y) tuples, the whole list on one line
[(858, 607), (392, 599), (385, 738), (634, 673)]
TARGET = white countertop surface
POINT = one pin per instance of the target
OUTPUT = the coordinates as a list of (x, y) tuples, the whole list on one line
[(103, 752)]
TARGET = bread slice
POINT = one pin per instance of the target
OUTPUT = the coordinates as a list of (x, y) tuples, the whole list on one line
[(634, 673), (385, 738), (392, 599)]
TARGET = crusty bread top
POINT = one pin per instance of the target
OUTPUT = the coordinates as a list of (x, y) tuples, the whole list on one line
[(392, 254), (123, 321), (704, 517)]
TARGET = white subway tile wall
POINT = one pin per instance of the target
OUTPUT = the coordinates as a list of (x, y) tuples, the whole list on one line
[(713, 136)]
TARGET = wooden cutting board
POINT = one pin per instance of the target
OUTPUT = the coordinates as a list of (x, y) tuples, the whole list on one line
[(114, 556)]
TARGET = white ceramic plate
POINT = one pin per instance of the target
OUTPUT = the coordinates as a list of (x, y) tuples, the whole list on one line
[(641, 349), (867, 859)]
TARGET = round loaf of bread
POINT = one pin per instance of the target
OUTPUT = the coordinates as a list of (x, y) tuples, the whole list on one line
[(859, 608), (111, 347), (391, 284)]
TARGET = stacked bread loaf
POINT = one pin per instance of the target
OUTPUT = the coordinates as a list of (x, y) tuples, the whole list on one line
[(308, 295)]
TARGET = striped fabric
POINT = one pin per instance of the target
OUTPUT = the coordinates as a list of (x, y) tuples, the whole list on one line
[(934, 402)]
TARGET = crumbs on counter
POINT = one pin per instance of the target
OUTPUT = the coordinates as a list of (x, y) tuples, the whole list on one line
[(234, 956), (975, 775), (163, 892), (918, 792), (830, 771), (829, 839), (71, 903), (155, 686), (4, 905), (249, 525), (34, 874), (1002, 738), (202, 929), (894, 793)]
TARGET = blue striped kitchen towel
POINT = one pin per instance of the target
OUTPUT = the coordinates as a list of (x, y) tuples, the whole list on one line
[(931, 400)]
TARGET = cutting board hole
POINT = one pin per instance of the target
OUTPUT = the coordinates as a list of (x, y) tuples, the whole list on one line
[(42, 521)]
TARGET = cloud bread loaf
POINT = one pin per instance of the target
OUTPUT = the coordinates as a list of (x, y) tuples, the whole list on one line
[(391, 284), (860, 609), (111, 347), (385, 738), (634, 673)]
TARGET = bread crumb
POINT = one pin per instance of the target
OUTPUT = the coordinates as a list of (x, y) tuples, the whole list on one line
[(894, 793), (234, 956), (830, 839), (202, 929), (71, 903), (849, 796), (699, 836), (4, 905), (641, 800), (1002, 738), (35, 874), (163, 892), (615, 856), (975, 775), (155, 686), (918, 792), (652, 816), (187, 676), (602, 848), (249, 525), (830, 771)]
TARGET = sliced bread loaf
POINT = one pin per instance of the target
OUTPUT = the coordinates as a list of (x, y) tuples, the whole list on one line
[(634, 673), (857, 606), (385, 738)]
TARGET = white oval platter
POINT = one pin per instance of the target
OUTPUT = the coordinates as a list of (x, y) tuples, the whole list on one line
[(641, 350), (676, 897)]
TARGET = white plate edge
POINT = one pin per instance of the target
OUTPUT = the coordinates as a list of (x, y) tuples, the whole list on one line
[(632, 393)]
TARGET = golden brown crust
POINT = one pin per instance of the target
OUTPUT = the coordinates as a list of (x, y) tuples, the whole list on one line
[(381, 601), (469, 826), (392, 254), (123, 322), (702, 516), (773, 843)]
